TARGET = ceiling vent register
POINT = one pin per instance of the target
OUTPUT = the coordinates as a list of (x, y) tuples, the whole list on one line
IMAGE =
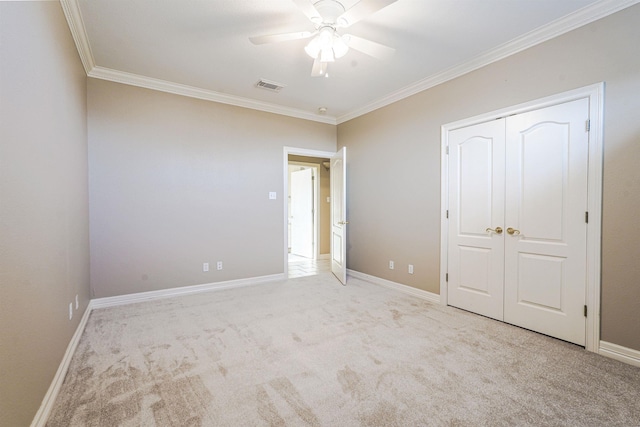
[(269, 85)]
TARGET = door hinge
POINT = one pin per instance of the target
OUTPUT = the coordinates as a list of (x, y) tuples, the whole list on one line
[(447, 213), (447, 149), (585, 311), (446, 277), (586, 217), (588, 125)]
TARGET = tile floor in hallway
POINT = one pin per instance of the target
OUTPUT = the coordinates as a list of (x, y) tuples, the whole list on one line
[(300, 266)]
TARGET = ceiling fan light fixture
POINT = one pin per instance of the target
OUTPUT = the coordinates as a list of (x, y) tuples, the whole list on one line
[(327, 46), (313, 48), (340, 48), (326, 55)]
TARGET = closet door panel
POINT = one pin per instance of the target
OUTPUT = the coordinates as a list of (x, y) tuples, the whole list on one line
[(476, 189), (546, 199)]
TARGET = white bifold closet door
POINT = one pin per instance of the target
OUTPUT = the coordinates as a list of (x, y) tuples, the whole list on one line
[(517, 227)]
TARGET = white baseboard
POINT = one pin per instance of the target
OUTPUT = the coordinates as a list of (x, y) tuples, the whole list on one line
[(44, 411), (50, 398), (185, 290), (425, 295), (618, 352)]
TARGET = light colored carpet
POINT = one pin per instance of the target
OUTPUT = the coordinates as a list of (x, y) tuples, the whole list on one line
[(310, 351)]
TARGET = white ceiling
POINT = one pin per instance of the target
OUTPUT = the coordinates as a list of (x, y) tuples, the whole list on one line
[(201, 48)]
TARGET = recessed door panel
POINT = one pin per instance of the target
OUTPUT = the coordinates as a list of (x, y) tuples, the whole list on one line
[(475, 198), (475, 264), (544, 151), (541, 281)]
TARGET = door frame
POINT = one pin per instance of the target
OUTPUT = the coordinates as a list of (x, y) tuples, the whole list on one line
[(286, 151), (595, 94), (316, 204)]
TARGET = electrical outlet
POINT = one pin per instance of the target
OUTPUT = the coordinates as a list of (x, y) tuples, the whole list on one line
[(391, 265), (77, 302), (205, 266), (272, 196), (410, 268), (219, 266), (70, 310)]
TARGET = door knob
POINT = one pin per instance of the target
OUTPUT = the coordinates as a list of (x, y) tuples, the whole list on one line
[(498, 230), (513, 231), (343, 222)]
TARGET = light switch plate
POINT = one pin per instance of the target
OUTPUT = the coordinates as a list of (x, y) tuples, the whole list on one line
[(272, 195)]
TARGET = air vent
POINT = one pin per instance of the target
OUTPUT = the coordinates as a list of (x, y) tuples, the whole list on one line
[(269, 85)]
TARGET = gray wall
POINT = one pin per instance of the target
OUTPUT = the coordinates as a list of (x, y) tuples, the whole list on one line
[(44, 231), (176, 182), (394, 161)]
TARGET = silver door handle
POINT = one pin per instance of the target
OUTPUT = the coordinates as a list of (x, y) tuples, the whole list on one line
[(343, 222)]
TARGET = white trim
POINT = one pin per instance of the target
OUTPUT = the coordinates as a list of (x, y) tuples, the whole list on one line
[(208, 95), (71, 10), (285, 190), (44, 411), (579, 18), (181, 291), (595, 94), (618, 352), (584, 16), (409, 290)]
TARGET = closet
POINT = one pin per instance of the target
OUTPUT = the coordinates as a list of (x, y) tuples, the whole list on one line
[(517, 192)]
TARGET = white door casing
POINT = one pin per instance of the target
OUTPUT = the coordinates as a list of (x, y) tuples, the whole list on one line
[(338, 174), (285, 217), (302, 213), (592, 98)]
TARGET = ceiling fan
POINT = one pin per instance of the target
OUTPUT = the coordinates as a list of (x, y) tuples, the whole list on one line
[(327, 43)]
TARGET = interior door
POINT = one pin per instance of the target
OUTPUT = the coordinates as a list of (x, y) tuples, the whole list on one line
[(546, 231), (302, 213), (517, 231), (476, 218), (338, 177)]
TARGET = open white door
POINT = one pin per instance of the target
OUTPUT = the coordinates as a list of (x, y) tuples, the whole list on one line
[(302, 213), (339, 215)]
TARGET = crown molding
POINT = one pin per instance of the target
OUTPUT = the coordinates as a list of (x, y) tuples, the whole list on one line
[(208, 95), (554, 29), (584, 16), (72, 13)]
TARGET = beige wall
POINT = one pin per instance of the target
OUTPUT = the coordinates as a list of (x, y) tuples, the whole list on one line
[(394, 161), (175, 182), (44, 231), (324, 214)]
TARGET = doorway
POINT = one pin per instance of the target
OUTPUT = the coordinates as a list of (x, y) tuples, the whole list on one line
[(330, 252), (303, 209), (308, 216), (521, 197)]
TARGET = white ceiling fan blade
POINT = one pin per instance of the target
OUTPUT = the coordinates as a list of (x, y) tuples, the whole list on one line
[(274, 38), (307, 8), (361, 10), (319, 69), (369, 47)]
